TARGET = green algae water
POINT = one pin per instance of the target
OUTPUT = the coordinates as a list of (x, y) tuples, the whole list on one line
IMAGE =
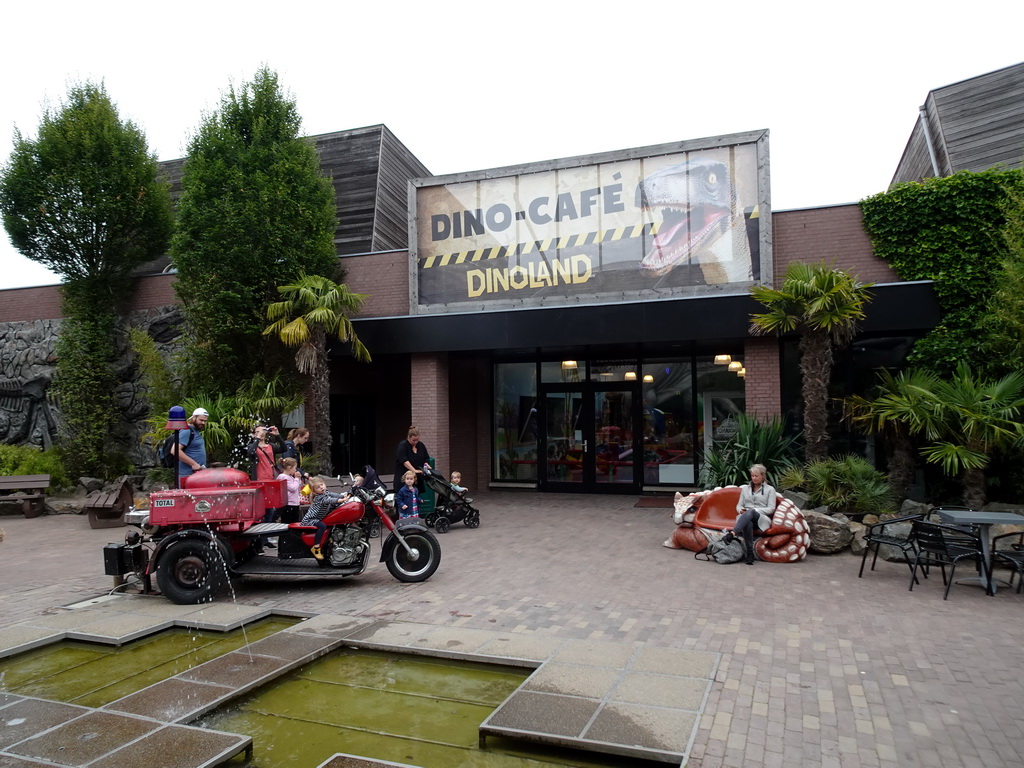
[(405, 709), (92, 675), (409, 709)]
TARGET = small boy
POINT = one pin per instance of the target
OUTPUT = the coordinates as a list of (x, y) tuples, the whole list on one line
[(457, 483), (407, 500), (293, 484), (323, 502)]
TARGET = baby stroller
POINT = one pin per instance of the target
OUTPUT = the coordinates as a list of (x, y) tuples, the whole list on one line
[(450, 506)]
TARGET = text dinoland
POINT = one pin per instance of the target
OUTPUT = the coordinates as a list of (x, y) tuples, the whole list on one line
[(574, 270)]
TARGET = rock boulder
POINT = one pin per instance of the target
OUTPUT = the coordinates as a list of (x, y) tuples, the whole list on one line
[(829, 534)]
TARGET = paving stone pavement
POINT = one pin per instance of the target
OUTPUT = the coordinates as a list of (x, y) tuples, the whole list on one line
[(818, 667)]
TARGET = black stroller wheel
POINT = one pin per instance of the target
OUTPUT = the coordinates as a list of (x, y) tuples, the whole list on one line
[(441, 525), (472, 519)]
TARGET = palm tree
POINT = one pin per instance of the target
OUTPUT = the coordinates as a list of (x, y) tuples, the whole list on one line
[(970, 419), (898, 408), (315, 308), (823, 305)]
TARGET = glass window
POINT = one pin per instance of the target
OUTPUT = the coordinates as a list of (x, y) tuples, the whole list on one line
[(560, 371), (515, 413), (667, 387), (609, 371), (721, 398)]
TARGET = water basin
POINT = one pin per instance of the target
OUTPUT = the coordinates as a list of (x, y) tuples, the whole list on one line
[(407, 709), (92, 675)]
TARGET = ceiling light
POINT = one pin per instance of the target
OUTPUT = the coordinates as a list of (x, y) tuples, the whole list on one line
[(723, 359), (568, 365), (648, 377), (735, 365), (630, 376)]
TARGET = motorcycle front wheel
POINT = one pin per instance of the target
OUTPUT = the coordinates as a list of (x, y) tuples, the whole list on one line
[(409, 568)]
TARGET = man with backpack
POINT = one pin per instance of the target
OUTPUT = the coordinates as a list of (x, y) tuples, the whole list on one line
[(191, 448)]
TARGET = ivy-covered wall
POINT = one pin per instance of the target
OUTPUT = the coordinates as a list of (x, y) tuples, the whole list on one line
[(949, 230)]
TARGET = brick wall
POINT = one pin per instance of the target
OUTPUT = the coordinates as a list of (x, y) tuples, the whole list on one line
[(385, 277), (153, 291), (763, 383), (26, 304), (43, 302), (834, 234), (430, 405)]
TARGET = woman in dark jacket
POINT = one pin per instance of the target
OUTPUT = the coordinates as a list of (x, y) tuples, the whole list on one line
[(411, 454)]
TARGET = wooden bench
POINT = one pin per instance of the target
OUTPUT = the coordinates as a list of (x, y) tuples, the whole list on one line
[(28, 489), (106, 508)]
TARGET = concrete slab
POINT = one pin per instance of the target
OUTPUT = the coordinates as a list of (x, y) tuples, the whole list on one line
[(541, 717), (529, 648), (222, 617), (177, 746), (633, 729), (236, 670), (21, 637), (85, 620), (662, 690), (593, 653), (117, 629), (391, 634), (84, 739), (294, 646), (331, 625), (73, 619), (173, 700), (24, 719), (158, 605), (458, 640), (672, 661), (573, 680)]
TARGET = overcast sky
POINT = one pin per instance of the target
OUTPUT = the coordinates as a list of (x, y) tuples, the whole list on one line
[(472, 85)]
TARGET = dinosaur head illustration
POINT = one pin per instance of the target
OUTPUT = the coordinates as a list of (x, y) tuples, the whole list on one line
[(697, 200)]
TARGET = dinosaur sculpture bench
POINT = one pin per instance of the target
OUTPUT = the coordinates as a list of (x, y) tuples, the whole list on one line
[(786, 541)]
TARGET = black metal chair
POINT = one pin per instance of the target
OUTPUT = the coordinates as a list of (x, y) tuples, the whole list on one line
[(1013, 557), (877, 537), (944, 545)]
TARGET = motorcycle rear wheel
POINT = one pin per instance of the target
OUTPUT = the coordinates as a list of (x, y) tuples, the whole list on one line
[(407, 569)]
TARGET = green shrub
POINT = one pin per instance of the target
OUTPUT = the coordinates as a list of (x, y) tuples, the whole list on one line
[(755, 442), (846, 484), (24, 460)]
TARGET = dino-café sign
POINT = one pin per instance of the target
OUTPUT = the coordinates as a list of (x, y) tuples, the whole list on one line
[(661, 222)]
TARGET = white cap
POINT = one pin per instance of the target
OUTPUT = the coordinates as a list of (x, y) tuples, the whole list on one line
[(200, 412)]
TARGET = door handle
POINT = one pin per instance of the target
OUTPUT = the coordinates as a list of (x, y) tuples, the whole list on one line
[(584, 446)]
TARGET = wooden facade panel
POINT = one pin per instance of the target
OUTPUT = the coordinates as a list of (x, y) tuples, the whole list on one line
[(351, 160), (397, 167)]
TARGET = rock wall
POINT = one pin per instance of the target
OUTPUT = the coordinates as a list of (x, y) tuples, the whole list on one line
[(29, 415), (27, 362)]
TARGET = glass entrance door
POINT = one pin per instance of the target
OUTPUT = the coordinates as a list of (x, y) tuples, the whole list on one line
[(590, 439)]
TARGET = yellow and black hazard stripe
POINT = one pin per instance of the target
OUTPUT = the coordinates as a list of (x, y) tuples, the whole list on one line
[(540, 246)]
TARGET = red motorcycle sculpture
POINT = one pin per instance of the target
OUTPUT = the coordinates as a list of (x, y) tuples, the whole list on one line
[(210, 531)]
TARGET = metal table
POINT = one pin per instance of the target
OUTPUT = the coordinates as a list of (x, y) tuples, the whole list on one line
[(984, 521)]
